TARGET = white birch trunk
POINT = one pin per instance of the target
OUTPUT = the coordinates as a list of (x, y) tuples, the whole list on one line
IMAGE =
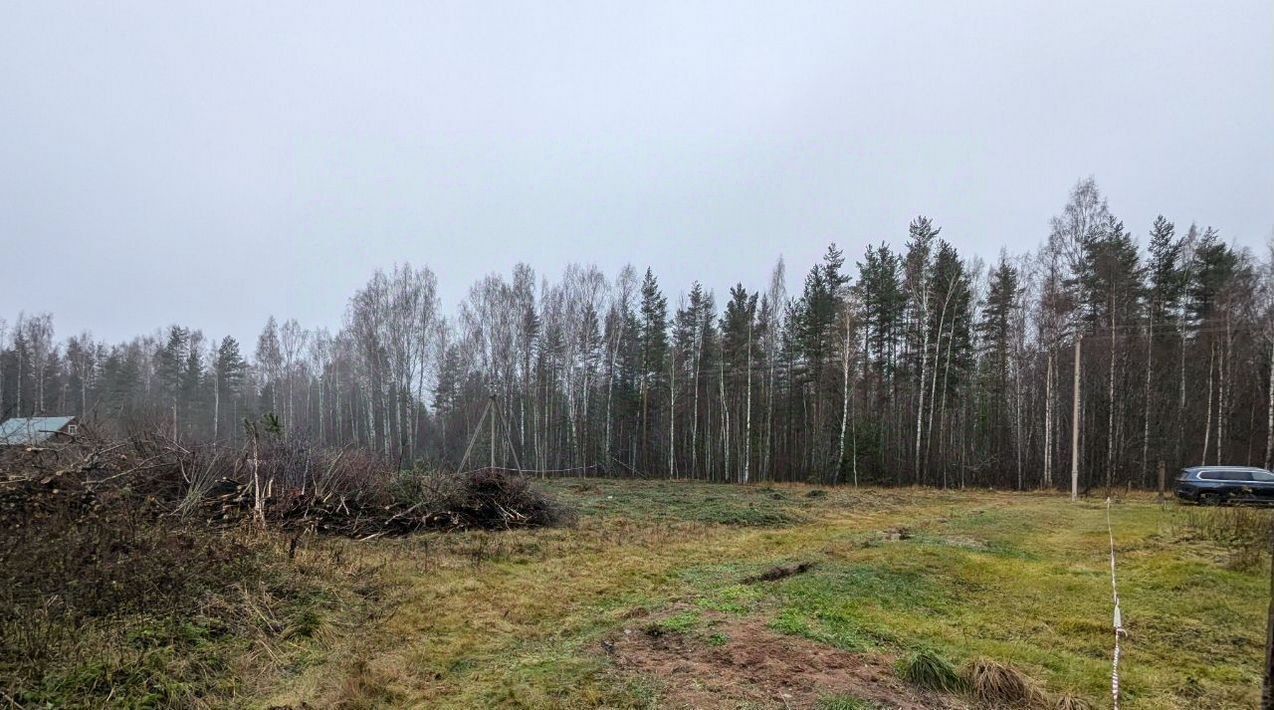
[(1269, 423), (844, 408), (747, 435), (672, 415), (924, 365)]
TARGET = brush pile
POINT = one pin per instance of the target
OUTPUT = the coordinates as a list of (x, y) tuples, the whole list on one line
[(278, 483), (126, 563), (403, 503)]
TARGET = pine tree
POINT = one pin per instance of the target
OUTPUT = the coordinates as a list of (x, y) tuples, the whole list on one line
[(228, 370), (170, 368), (1214, 268), (995, 333), (192, 385), (738, 346), (653, 339), (1167, 278), (1166, 288)]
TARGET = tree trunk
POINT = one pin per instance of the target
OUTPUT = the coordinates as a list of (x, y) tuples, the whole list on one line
[(1145, 418), (258, 502), (1181, 403), (1048, 419), (1110, 418), (933, 384), (767, 459), (610, 397), (942, 414), (725, 422), (1269, 423), (844, 409), (920, 404), (747, 433), (1075, 422), (216, 405), (672, 415), (1223, 390), (1207, 427), (694, 417)]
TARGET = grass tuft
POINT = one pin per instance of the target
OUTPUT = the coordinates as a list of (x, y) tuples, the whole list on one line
[(926, 669), (997, 684), (1068, 701), (844, 702)]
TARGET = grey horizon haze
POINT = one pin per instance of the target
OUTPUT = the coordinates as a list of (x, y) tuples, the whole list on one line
[(213, 164)]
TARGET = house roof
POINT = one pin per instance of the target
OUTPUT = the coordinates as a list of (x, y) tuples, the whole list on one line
[(31, 430)]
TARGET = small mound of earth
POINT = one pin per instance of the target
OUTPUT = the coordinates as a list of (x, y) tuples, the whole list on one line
[(967, 543), (896, 534), (757, 667)]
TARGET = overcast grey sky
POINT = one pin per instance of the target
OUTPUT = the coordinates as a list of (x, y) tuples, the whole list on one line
[(212, 163)]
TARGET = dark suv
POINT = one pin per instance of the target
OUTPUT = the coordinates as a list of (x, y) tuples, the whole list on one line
[(1214, 485)]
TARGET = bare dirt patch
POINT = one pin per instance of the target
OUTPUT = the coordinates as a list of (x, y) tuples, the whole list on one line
[(780, 572), (751, 665)]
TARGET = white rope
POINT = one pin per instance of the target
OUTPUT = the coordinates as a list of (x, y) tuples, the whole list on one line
[(1118, 620)]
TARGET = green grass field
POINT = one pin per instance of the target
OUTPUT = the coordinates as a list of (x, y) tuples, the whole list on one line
[(528, 618)]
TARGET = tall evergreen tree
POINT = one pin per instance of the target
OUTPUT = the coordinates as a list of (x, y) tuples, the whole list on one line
[(653, 340), (228, 373)]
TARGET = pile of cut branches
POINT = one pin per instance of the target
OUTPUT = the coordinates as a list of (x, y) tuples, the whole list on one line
[(404, 503), (280, 483)]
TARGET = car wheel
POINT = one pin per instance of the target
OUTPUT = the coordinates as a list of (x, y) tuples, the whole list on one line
[(1210, 499)]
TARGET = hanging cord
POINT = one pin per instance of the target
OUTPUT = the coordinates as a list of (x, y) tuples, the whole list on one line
[(1119, 621)]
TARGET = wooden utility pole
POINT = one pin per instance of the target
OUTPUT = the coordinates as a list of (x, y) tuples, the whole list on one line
[(1162, 476), (1075, 425)]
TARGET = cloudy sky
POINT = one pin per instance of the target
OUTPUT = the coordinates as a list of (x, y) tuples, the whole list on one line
[(212, 163)]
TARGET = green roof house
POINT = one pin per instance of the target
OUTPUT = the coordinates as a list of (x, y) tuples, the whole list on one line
[(34, 431)]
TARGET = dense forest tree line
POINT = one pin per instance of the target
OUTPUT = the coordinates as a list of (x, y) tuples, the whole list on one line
[(916, 365)]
